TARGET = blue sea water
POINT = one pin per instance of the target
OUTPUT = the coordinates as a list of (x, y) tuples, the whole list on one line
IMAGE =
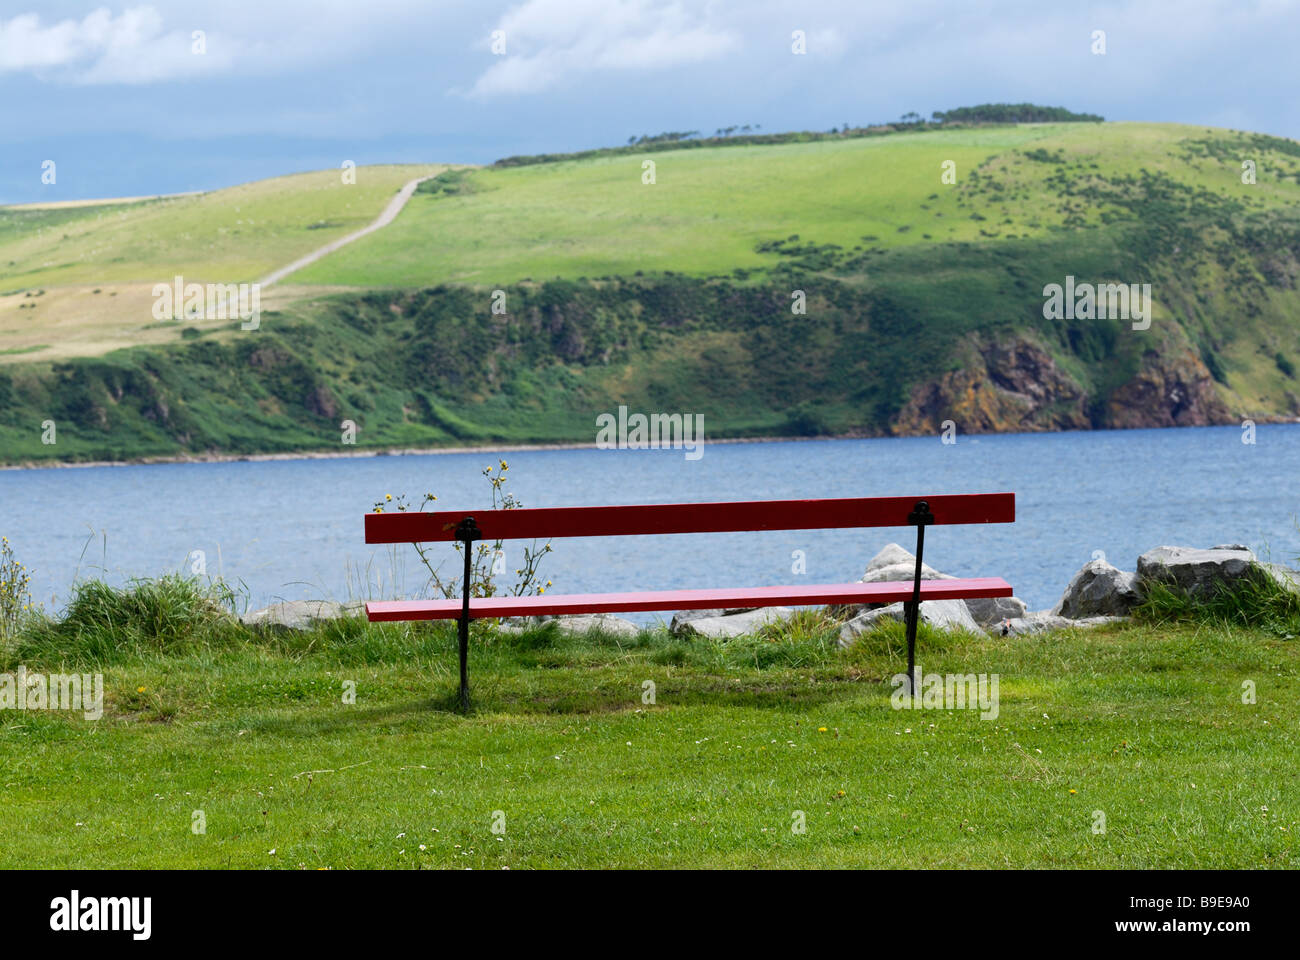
[(292, 529)]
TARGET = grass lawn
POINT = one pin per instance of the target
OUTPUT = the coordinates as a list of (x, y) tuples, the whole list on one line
[(1144, 723)]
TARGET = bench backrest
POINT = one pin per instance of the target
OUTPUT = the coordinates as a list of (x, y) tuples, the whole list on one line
[(546, 522)]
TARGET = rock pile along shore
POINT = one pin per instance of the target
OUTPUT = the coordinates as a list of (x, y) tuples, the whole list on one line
[(1099, 593)]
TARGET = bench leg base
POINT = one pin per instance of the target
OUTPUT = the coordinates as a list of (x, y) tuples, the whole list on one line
[(464, 665), (911, 614)]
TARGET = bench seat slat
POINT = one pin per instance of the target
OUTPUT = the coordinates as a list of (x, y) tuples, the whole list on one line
[(579, 603), (660, 518)]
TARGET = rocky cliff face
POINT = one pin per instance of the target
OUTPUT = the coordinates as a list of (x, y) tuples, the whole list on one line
[(1007, 386), (1171, 389), (1014, 385)]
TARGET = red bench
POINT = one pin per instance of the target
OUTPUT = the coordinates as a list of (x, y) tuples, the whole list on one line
[(541, 523)]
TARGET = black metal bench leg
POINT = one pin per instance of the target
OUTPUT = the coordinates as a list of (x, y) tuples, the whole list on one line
[(464, 662), (920, 516), (910, 610), (467, 532)]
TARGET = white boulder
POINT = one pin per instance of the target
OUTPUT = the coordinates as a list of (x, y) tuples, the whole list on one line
[(940, 614), (585, 623), (1099, 590), (298, 614), (1194, 570), (735, 625), (987, 611), (1045, 621)]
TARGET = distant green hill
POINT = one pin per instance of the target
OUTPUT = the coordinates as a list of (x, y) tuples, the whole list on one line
[(76, 279), (232, 235), (710, 211), (924, 300)]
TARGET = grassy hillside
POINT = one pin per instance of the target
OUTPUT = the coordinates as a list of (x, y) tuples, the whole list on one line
[(77, 280), (710, 209), (436, 367), (924, 299), (706, 213), (233, 235)]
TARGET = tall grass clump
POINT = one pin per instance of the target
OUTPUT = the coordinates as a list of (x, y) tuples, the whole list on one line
[(105, 625), (15, 591), (1258, 600)]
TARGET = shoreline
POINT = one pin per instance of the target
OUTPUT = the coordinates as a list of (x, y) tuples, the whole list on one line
[(323, 454), (364, 453)]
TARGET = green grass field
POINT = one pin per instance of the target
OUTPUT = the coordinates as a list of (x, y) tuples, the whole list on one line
[(77, 280), (234, 235), (1144, 723), (706, 213), (710, 208)]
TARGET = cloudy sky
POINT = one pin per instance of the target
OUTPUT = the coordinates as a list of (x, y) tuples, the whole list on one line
[(119, 96)]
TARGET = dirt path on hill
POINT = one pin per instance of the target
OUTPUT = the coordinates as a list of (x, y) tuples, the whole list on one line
[(389, 214)]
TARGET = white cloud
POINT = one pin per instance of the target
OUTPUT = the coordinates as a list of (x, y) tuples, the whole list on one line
[(132, 47), (553, 42), (826, 43)]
